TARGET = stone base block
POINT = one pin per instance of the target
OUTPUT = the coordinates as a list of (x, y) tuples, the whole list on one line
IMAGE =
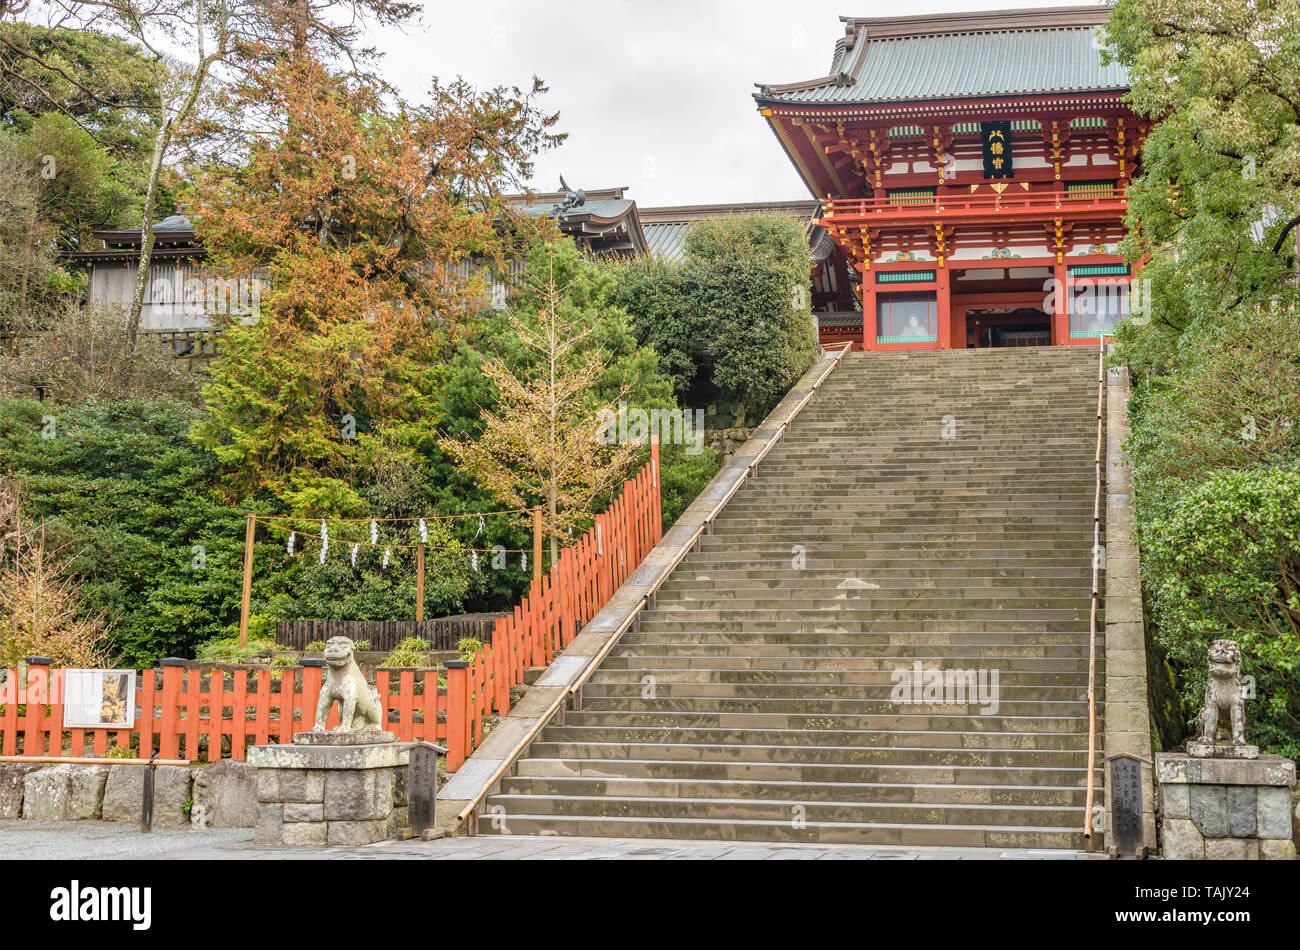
[(357, 737), (12, 776), (65, 793), (124, 794), (306, 833), (225, 796), (353, 833), (1272, 849), (1210, 750)]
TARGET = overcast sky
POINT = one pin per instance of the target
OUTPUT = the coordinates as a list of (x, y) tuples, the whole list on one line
[(655, 94)]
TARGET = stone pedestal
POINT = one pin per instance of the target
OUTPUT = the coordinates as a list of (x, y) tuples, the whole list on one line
[(1225, 808), (331, 788)]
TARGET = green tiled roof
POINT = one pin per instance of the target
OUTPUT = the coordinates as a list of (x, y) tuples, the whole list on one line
[(954, 65), (667, 240), (599, 208)]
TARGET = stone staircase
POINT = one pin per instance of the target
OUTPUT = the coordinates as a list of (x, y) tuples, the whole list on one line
[(759, 698)]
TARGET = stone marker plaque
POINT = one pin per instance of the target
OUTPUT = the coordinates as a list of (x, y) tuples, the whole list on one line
[(1124, 792)]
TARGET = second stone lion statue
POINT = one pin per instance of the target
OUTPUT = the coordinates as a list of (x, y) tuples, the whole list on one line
[(359, 708), (1223, 694)]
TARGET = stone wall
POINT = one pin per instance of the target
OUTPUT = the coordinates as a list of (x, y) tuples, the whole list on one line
[(1226, 809), (1127, 720), (220, 795)]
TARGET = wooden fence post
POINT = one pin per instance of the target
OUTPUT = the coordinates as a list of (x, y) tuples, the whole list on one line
[(537, 542), (250, 529), (39, 685), (458, 717), (313, 674), (657, 525), (169, 722), (419, 583)]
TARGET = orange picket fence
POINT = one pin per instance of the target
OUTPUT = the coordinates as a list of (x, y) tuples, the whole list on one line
[(205, 716)]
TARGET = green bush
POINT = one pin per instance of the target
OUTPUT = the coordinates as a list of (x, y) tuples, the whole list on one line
[(410, 652), (468, 646), (1215, 448), (733, 318), (228, 650)]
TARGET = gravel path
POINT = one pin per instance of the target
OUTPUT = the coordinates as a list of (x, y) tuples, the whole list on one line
[(102, 840)]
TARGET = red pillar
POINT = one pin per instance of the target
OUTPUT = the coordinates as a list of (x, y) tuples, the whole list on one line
[(1061, 295), (868, 309), (943, 314)]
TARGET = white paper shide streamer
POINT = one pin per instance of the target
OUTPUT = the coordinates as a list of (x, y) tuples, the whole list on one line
[(387, 551), (354, 554), (374, 533), (424, 532), (324, 539), (289, 547)]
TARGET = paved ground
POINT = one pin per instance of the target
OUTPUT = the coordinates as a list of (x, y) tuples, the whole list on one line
[(100, 840)]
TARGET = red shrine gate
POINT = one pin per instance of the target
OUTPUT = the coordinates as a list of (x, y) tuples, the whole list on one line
[(972, 169)]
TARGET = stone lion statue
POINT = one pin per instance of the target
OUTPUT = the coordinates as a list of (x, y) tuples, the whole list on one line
[(359, 708), (1223, 693)]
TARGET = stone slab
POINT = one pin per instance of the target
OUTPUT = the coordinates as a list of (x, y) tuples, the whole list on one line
[(290, 785), (64, 792), (124, 794), (12, 775), (225, 795), (270, 823), (1231, 849), (1173, 767), (346, 738), (1273, 814), (564, 670), (1181, 841), (358, 795), (1220, 750), (306, 834), (328, 757)]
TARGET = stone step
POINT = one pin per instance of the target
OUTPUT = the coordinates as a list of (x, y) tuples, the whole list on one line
[(845, 666), (804, 755), (538, 765), (896, 720), (803, 737), (810, 832), (963, 652), (1043, 795), (775, 810)]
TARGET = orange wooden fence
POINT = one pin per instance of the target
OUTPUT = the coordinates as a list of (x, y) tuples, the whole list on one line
[(207, 716), (557, 606)]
